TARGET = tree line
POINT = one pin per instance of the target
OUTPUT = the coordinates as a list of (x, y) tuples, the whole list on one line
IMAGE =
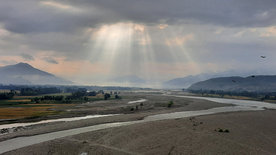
[(221, 93), (7, 95)]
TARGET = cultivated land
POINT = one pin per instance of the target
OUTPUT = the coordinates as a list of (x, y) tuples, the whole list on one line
[(20, 109), (249, 132), (24, 109)]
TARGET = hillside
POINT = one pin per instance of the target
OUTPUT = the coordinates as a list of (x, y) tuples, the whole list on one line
[(23, 73), (185, 82), (261, 83)]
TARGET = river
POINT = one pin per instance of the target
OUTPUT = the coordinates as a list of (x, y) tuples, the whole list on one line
[(239, 105)]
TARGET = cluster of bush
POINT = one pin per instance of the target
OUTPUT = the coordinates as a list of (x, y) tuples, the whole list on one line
[(222, 130), (137, 107), (81, 94), (38, 91), (47, 98), (6, 96), (107, 96), (77, 94), (257, 95), (72, 97)]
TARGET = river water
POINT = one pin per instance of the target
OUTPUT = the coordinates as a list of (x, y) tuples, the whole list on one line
[(13, 125), (245, 103), (137, 101), (239, 105)]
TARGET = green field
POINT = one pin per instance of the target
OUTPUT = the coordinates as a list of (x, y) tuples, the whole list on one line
[(26, 107)]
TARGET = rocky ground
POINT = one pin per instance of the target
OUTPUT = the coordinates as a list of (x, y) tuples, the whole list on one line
[(155, 104), (249, 133), (225, 133)]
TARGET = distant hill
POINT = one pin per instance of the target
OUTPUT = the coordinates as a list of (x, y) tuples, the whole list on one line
[(25, 74), (261, 83), (185, 82)]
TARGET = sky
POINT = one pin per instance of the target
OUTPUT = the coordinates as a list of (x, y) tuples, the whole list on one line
[(92, 41)]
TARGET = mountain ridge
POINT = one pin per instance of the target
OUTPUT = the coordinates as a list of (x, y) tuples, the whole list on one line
[(24, 73), (187, 81), (258, 83)]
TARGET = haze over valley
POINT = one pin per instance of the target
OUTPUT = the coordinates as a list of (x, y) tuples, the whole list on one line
[(164, 77)]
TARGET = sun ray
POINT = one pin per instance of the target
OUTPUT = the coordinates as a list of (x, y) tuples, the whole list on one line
[(112, 44), (127, 49), (178, 43)]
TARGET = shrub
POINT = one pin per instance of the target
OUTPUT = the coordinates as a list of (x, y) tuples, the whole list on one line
[(170, 104), (4, 96), (226, 130), (117, 97), (106, 96), (85, 98), (220, 130)]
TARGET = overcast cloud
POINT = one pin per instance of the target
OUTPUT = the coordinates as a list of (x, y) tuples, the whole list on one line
[(155, 39)]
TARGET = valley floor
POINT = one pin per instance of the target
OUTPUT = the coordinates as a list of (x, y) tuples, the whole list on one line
[(251, 132)]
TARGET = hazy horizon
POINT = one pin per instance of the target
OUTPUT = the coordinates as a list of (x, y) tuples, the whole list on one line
[(90, 42)]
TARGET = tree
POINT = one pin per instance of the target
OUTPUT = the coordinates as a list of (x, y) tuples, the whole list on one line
[(170, 104), (106, 96), (92, 93), (5, 96), (117, 97), (267, 97)]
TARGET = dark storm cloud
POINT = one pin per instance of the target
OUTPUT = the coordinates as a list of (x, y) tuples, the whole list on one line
[(30, 16), (27, 57), (63, 31), (221, 12), (27, 16)]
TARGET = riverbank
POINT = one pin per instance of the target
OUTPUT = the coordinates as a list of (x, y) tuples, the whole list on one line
[(152, 106), (249, 133), (154, 111), (223, 96)]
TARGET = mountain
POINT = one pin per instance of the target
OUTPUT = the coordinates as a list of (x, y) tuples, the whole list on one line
[(260, 83), (185, 82), (25, 74)]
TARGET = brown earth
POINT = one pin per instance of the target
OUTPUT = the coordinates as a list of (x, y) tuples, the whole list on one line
[(249, 133), (153, 105)]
